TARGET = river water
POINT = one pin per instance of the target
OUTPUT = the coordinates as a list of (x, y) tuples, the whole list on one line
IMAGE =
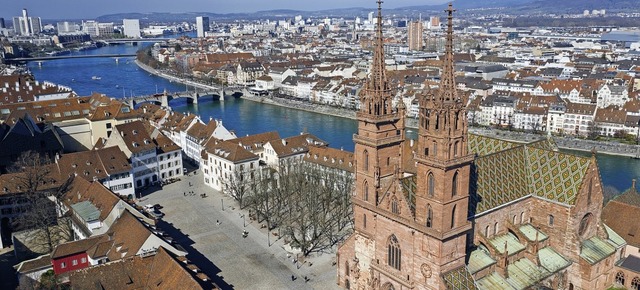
[(124, 78)]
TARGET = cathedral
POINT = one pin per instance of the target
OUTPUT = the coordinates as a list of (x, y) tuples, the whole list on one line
[(454, 210)]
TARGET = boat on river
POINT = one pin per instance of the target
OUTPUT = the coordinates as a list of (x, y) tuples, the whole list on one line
[(96, 78)]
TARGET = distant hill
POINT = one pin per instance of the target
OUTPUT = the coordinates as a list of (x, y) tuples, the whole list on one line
[(532, 7)]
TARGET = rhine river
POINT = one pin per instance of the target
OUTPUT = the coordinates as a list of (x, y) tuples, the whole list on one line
[(124, 78)]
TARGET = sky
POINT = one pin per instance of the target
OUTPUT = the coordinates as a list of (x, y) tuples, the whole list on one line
[(87, 9)]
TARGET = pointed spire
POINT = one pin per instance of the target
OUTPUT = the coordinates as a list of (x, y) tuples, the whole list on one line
[(448, 90), (377, 91)]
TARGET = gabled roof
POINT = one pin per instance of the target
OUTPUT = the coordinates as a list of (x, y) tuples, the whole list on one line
[(135, 136), (159, 271), (330, 157), (295, 145), (82, 190), (92, 164), (511, 171), (231, 151), (619, 211)]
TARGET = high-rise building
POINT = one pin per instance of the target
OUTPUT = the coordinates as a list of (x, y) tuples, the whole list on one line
[(25, 25), (131, 28), (434, 22), (2, 23), (415, 35), (202, 25), (454, 210)]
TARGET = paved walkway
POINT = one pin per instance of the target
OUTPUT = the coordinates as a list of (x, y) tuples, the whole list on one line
[(213, 238)]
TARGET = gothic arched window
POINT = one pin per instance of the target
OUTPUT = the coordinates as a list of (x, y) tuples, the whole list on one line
[(620, 278), (365, 164), (366, 191), (454, 184), (431, 184), (394, 206), (394, 254), (429, 216), (635, 283), (453, 217)]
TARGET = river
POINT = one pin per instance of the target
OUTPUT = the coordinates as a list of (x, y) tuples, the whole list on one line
[(124, 78)]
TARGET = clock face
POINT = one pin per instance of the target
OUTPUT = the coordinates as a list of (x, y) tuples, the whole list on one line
[(426, 270)]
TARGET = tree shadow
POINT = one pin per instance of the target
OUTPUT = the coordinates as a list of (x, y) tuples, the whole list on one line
[(196, 258)]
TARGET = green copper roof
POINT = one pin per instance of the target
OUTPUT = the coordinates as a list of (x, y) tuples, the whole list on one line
[(524, 273), (614, 239), (459, 279), (479, 259), (595, 249), (86, 210), (513, 245), (530, 233), (551, 260), (493, 281)]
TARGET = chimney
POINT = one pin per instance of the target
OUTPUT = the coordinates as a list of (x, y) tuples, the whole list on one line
[(411, 143)]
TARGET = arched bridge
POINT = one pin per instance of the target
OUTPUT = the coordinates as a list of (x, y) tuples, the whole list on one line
[(164, 98), (41, 58)]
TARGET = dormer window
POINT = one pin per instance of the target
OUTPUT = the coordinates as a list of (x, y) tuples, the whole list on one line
[(135, 132)]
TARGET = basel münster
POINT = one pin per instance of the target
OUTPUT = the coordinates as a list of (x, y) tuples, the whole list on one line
[(454, 210)]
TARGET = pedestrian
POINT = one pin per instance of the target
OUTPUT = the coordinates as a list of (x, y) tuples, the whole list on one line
[(293, 278), (184, 193)]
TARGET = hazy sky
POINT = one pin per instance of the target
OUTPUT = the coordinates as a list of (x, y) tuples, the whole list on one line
[(86, 9)]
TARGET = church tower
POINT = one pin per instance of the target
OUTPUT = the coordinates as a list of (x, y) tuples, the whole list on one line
[(381, 132), (444, 164)]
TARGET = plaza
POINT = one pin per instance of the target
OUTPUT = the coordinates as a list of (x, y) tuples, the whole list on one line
[(213, 237)]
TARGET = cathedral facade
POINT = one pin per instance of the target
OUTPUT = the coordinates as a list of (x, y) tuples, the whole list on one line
[(454, 210)]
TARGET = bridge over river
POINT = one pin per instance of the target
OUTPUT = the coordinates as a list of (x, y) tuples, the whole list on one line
[(68, 56), (191, 96)]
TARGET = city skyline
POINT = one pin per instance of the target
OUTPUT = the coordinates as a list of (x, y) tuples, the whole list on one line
[(58, 9)]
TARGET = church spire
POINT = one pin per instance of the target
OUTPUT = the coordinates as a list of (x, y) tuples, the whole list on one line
[(448, 90), (377, 95)]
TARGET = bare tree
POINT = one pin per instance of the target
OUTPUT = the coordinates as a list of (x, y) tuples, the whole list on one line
[(33, 179), (239, 185)]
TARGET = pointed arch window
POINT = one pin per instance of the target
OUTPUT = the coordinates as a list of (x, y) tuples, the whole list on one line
[(431, 185), (429, 216), (435, 148), (365, 164), (394, 254), (364, 221), (454, 184), (620, 278), (366, 191), (455, 149), (453, 216), (589, 192), (635, 283)]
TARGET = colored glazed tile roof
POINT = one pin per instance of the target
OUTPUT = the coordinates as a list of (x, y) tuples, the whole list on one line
[(595, 249), (479, 259), (459, 279), (530, 233), (483, 145), (513, 245), (493, 281), (524, 274), (508, 175), (551, 260)]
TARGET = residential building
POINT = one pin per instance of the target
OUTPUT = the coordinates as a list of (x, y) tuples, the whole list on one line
[(26, 136), (108, 166), (131, 28), (414, 31), (278, 153)]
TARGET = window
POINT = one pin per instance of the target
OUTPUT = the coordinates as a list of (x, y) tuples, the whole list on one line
[(429, 216), (589, 192), (394, 206), (365, 164), (522, 217), (63, 265), (364, 220), (635, 283), (394, 254), (453, 217), (495, 229), (74, 262), (431, 184), (584, 224), (620, 278), (486, 231), (550, 220), (83, 260), (366, 191), (454, 184), (435, 148)]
